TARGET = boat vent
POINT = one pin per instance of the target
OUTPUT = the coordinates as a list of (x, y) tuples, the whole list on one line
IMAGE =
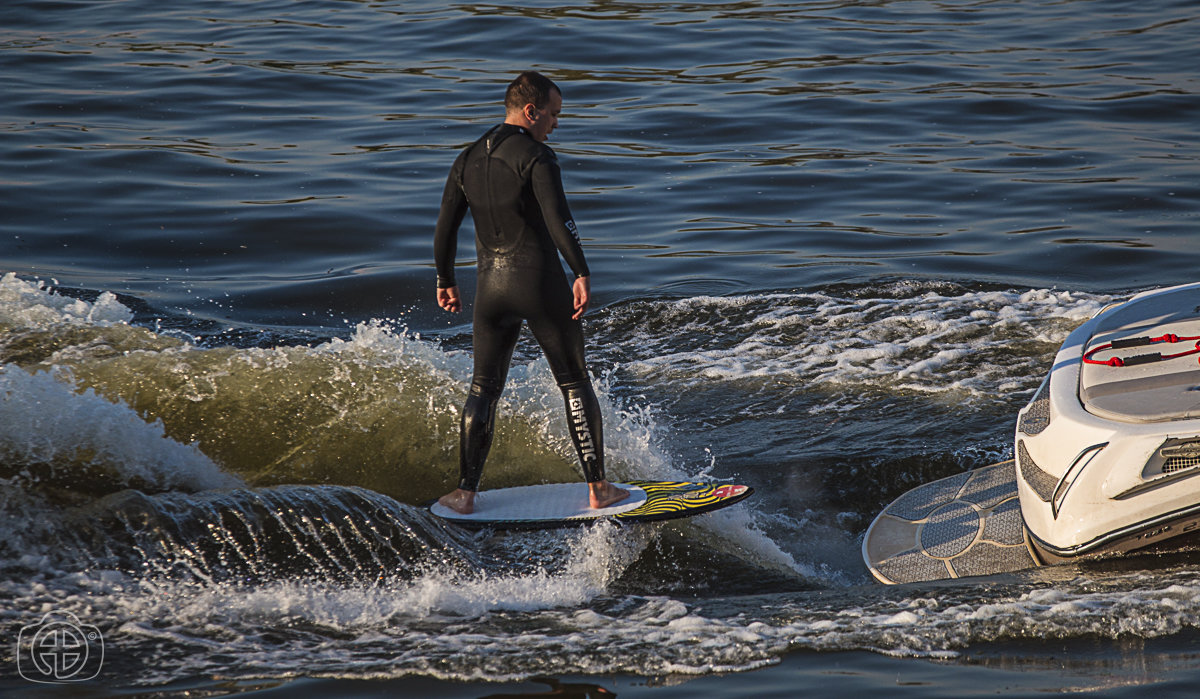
[(1036, 417), (1180, 457), (1041, 482)]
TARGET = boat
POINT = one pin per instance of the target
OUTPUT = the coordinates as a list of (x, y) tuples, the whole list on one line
[(1106, 459)]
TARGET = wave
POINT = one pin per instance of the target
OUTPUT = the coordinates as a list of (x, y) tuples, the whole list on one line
[(378, 409), (154, 454)]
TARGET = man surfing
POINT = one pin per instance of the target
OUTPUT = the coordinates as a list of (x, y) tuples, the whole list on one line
[(511, 183)]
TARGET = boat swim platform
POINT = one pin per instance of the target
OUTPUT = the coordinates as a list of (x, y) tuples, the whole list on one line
[(964, 525)]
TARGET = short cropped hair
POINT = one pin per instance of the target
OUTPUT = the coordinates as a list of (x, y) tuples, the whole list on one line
[(529, 87)]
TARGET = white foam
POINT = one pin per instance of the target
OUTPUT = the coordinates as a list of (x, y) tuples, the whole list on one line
[(43, 420), (971, 342), (379, 343), (496, 627), (599, 553), (31, 305)]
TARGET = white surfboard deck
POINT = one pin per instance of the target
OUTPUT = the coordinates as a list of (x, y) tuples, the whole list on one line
[(566, 504)]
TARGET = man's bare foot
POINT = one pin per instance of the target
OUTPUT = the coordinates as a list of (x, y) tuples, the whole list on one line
[(461, 501), (603, 494)]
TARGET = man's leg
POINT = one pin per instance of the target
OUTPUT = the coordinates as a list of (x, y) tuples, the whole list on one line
[(475, 441), (494, 337), (561, 339), (586, 427)]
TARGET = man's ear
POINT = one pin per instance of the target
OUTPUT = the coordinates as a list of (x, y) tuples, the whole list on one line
[(531, 112)]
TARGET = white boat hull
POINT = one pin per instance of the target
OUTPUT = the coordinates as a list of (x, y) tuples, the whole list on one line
[(1108, 457)]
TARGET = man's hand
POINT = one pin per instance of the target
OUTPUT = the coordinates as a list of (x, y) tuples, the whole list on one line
[(583, 296), (448, 299)]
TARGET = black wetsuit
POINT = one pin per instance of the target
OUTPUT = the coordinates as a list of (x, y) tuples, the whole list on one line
[(513, 188)]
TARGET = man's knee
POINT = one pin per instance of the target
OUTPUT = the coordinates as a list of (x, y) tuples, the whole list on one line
[(480, 409)]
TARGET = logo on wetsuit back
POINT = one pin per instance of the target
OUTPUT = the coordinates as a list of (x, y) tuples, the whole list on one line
[(587, 447), (570, 224)]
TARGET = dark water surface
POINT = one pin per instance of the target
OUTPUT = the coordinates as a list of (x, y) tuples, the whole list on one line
[(835, 245)]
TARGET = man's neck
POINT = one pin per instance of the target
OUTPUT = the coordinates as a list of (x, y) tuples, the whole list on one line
[(517, 119)]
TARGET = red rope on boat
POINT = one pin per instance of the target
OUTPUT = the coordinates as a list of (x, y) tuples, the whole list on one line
[(1119, 362)]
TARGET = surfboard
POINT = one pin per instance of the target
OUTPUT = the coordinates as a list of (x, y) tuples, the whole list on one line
[(963, 525), (555, 505)]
